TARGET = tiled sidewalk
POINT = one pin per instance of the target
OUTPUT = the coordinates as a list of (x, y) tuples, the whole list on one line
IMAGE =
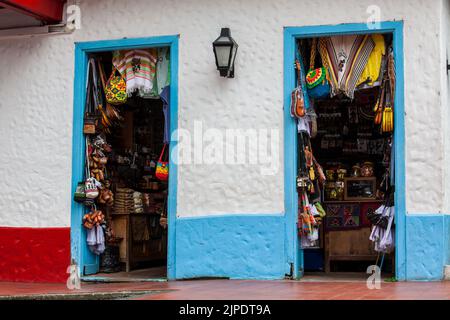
[(243, 290)]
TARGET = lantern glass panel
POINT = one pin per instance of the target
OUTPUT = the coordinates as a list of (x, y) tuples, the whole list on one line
[(223, 56)]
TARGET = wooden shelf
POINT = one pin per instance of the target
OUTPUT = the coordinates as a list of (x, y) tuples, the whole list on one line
[(123, 227), (135, 214)]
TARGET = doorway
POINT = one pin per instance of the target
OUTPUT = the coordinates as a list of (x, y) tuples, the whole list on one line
[(317, 260), (140, 113)]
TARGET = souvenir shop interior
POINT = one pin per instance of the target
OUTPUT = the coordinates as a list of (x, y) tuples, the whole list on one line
[(126, 131), (343, 104)]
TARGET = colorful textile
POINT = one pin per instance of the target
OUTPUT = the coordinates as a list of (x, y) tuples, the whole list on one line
[(371, 72), (116, 89), (368, 208), (306, 219), (346, 58), (342, 217), (138, 67), (315, 77), (320, 210)]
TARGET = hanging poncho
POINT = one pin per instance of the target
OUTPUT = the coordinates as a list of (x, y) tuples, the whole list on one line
[(345, 57), (373, 67), (163, 69), (138, 67)]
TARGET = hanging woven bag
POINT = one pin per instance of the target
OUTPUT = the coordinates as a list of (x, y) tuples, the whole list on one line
[(162, 167), (116, 88), (316, 78)]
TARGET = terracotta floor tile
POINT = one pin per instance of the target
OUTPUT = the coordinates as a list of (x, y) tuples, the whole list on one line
[(245, 290)]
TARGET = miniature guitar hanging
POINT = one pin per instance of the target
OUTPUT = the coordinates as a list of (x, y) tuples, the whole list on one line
[(297, 99)]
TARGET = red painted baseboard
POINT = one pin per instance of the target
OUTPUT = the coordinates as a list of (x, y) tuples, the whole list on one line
[(34, 254)]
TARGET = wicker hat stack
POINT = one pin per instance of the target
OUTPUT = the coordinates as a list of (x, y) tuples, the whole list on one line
[(124, 202)]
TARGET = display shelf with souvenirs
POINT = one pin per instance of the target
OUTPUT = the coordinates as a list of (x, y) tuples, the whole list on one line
[(126, 129), (343, 104)]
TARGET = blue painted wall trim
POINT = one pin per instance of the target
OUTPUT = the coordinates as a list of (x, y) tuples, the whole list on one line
[(426, 250), (79, 251), (235, 247), (290, 135), (447, 238)]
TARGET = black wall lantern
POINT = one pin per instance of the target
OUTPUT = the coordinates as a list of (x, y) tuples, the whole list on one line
[(225, 49)]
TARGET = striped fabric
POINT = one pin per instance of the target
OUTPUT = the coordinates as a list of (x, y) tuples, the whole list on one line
[(346, 58), (138, 67)]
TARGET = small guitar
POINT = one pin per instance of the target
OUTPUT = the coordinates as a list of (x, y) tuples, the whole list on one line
[(297, 98)]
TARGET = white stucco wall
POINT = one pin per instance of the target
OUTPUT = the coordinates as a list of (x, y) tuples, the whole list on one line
[(36, 99), (445, 45)]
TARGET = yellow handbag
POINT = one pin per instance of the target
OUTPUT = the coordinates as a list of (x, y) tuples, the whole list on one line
[(116, 88)]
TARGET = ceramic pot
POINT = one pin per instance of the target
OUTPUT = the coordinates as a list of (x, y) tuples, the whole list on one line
[(356, 171), (367, 170)]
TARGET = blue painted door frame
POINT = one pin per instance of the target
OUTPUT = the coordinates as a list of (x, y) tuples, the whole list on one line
[(290, 135), (80, 253)]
